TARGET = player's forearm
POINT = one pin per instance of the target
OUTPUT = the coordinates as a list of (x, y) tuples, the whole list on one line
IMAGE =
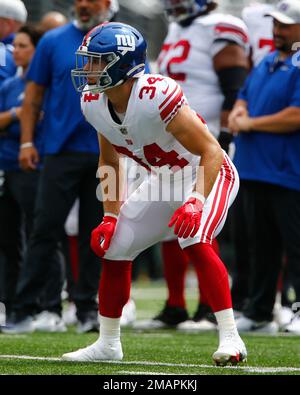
[(112, 206), (31, 110), (111, 182), (209, 167), (285, 121)]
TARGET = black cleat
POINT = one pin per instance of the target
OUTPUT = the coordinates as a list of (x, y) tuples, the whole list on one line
[(169, 317)]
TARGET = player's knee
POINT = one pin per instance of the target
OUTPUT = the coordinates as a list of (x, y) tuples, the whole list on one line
[(117, 255), (122, 244)]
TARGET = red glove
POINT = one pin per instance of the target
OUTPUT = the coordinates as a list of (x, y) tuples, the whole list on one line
[(188, 217), (102, 235)]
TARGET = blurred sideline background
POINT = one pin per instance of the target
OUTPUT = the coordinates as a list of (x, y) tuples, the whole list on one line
[(146, 15)]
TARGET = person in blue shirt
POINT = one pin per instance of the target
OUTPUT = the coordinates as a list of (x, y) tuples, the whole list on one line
[(7, 64), (267, 120), (13, 14), (69, 171), (18, 188)]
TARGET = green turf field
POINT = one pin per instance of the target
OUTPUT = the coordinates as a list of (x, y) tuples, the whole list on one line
[(151, 352)]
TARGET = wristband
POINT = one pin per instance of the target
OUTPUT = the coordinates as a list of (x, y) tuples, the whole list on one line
[(198, 196), (26, 145)]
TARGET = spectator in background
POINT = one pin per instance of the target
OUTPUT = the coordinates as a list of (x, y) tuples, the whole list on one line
[(261, 43), (17, 199), (12, 15), (71, 162), (210, 71), (51, 20), (267, 120)]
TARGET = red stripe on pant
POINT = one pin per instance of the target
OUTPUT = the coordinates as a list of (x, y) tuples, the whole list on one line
[(227, 177), (223, 206), (218, 189), (114, 287)]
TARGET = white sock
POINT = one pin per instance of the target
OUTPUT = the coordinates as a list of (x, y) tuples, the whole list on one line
[(226, 323), (109, 330)]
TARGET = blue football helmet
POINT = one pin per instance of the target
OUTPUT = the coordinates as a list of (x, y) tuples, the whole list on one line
[(110, 54), (179, 10)]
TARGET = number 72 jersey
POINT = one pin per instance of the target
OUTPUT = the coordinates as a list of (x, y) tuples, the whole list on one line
[(187, 56), (142, 136)]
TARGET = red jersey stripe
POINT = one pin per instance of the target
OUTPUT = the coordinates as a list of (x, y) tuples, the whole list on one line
[(168, 98), (175, 111), (170, 107), (232, 29)]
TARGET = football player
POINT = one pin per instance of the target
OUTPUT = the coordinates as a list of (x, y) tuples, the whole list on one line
[(210, 71), (260, 30), (146, 117)]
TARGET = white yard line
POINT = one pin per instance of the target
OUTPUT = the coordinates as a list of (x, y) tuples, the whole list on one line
[(29, 357), (132, 372), (248, 369)]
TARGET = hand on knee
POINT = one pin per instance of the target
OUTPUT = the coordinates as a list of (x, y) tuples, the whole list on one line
[(187, 218), (102, 235)]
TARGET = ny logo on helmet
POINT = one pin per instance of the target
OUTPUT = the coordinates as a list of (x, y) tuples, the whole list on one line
[(125, 42)]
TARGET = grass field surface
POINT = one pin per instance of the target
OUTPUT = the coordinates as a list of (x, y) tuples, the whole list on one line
[(153, 352)]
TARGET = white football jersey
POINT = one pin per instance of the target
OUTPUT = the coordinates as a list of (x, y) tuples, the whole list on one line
[(260, 30), (187, 56), (142, 136)]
